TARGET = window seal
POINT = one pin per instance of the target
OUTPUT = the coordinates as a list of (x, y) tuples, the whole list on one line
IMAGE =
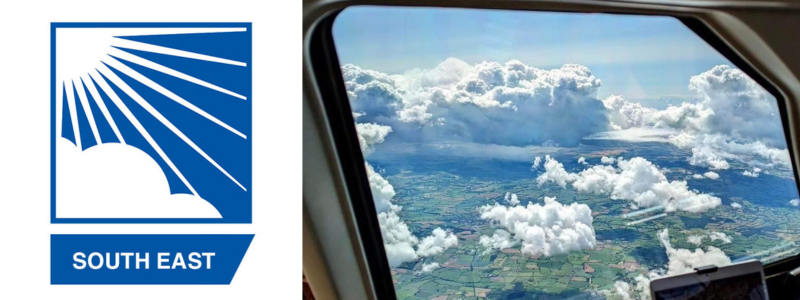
[(329, 80)]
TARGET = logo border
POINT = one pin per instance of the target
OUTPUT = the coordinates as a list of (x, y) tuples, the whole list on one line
[(53, 219)]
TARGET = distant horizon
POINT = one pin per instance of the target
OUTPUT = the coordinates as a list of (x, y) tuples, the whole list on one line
[(639, 57)]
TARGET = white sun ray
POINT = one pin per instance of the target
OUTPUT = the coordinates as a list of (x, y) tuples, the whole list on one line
[(160, 68), (87, 110), (118, 42), (73, 113), (149, 108), (59, 92), (169, 94), (128, 114), (96, 95)]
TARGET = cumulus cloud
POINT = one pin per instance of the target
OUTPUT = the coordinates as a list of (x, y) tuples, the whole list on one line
[(436, 242), (399, 241), (730, 103), (382, 191), (753, 173), (554, 172), (370, 134), (488, 102), (549, 229), (637, 180), (684, 260), (736, 205), (397, 238), (638, 289), (537, 161), (607, 160), (734, 120), (680, 261), (742, 108), (695, 239), (710, 175), (511, 198), (427, 268), (582, 160), (501, 239), (713, 236), (794, 202), (720, 236)]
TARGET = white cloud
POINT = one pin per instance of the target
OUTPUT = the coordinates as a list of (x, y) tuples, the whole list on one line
[(582, 160), (695, 239), (555, 172), (370, 134), (548, 229), (720, 236), (684, 260), (736, 205), (437, 242), (511, 198), (713, 236), (501, 239), (382, 191), (749, 174), (397, 238), (635, 135), (87, 180), (680, 261), (637, 180), (735, 120), (537, 161), (488, 103), (742, 109), (640, 289), (427, 268), (710, 175), (753, 173), (607, 160), (794, 202)]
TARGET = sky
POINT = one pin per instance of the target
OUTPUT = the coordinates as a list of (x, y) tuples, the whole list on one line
[(642, 57)]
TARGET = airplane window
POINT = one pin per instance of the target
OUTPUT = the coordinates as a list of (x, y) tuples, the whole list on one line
[(543, 155)]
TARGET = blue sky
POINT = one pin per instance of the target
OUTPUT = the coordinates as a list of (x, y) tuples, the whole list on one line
[(635, 56)]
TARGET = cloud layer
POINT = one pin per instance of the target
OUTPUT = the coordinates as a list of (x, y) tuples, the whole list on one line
[(489, 103), (732, 120), (549, 229), (735, 120)]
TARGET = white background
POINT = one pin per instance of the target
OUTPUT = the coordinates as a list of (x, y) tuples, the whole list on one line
[(272, 267)]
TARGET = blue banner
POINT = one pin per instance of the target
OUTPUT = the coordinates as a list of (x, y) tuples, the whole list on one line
[(146, 259)]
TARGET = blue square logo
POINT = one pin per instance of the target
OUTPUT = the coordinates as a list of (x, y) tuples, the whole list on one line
[(151, 123)]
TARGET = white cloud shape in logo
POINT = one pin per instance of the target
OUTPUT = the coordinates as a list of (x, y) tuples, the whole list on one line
[(118, 181)]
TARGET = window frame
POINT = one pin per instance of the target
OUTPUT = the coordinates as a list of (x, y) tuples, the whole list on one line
[(324, 61)]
